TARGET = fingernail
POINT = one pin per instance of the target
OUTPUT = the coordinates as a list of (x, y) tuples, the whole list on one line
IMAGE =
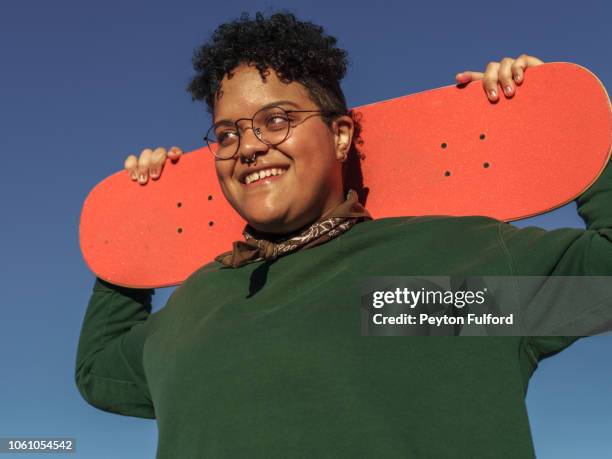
[(154, 173), (142, 178), (517, 78), (493, 93), (134, 176), (508, 90)]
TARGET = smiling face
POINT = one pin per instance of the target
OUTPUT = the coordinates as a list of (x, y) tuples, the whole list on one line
[(311, 156)]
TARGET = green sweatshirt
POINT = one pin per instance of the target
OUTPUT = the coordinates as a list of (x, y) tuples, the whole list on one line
[(267, 360)]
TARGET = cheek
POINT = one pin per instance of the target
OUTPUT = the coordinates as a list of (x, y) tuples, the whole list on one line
[(224, 176), (317, 177), (314, 159), (314, 175)]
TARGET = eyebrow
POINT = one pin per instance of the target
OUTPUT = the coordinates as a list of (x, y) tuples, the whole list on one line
[(271, 104)]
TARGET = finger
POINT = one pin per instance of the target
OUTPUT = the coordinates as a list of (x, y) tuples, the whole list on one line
[(518, 69), (532, 61), (505, 76), (520, 65), (143, 165), (490, 79), (130, 164), (466, 77), (157, 162), (174, 153)]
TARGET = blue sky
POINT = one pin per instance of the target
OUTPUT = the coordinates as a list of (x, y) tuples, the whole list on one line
[(84, 84)]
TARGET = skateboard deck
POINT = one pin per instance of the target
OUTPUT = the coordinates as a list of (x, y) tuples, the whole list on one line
[(446, 151)]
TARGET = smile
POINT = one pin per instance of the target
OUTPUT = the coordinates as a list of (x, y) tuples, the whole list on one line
[(264, 173)]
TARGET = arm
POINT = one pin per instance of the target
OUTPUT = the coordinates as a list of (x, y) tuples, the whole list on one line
[(533, 251), (109, 370)]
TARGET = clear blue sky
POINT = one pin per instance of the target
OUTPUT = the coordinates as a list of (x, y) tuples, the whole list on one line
[(84, 84)]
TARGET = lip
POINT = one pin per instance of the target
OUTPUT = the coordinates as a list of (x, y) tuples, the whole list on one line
[(271, 178)]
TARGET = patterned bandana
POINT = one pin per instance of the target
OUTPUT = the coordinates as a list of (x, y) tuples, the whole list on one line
[(331, 224)]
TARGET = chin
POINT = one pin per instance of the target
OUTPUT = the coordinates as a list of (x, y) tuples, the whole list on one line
[(268, 222)]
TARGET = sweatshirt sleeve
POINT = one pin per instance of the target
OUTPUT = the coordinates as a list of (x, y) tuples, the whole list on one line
[(109, 370), (533, 251)]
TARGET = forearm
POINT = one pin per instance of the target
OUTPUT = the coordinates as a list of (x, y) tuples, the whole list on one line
[(109, 372), (595, 204)]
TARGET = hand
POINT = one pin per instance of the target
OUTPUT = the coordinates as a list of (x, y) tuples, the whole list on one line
[(503, 72), (150, 163)]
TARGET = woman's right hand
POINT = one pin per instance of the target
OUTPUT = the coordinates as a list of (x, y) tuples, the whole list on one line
[(150, 163)]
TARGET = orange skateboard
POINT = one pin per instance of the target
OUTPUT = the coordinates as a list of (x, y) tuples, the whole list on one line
[(446, 151)]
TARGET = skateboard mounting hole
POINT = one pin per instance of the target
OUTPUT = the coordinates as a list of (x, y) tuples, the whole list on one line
[(180, 230), (485, 165), (179, 204), (482, 136), (211, 223), (447, 173), (209, 197), (443, 145)]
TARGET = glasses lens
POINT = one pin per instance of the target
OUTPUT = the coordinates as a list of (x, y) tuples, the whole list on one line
[(222, 140), (271, 125)]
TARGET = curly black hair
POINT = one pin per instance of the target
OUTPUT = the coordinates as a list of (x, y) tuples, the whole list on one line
[(296, 50)]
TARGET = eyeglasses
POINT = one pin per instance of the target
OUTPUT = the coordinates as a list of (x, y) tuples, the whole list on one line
[(271, 126)]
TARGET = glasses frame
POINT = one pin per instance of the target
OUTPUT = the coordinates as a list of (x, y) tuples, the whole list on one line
[(257, 131)]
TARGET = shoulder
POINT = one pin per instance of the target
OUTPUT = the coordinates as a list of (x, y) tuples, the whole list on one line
[(438, 223), (211, 268), (422, 233)]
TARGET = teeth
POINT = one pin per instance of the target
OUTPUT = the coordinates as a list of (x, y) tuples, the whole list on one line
[(264, 173)]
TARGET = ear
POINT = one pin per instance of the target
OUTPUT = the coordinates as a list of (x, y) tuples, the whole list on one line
[(343, 128)]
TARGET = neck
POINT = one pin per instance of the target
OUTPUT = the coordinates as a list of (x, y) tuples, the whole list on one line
[(282, 236), (275, 237)]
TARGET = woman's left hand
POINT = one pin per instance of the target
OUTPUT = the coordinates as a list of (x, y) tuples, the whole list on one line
[(503, 72)]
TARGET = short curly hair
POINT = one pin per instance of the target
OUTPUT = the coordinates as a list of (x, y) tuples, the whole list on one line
[(296, 50)]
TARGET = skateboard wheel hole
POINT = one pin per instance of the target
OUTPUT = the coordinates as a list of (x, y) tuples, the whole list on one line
[(209, 197), (485, 165), (482, 136), (447, 173), (211, 223), (443, 145), (179, 204), (180, 230)]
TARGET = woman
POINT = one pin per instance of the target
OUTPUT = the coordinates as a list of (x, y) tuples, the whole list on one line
[(259, 353)]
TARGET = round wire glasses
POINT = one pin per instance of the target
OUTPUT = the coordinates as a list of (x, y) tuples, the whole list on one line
[(271, 126)]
